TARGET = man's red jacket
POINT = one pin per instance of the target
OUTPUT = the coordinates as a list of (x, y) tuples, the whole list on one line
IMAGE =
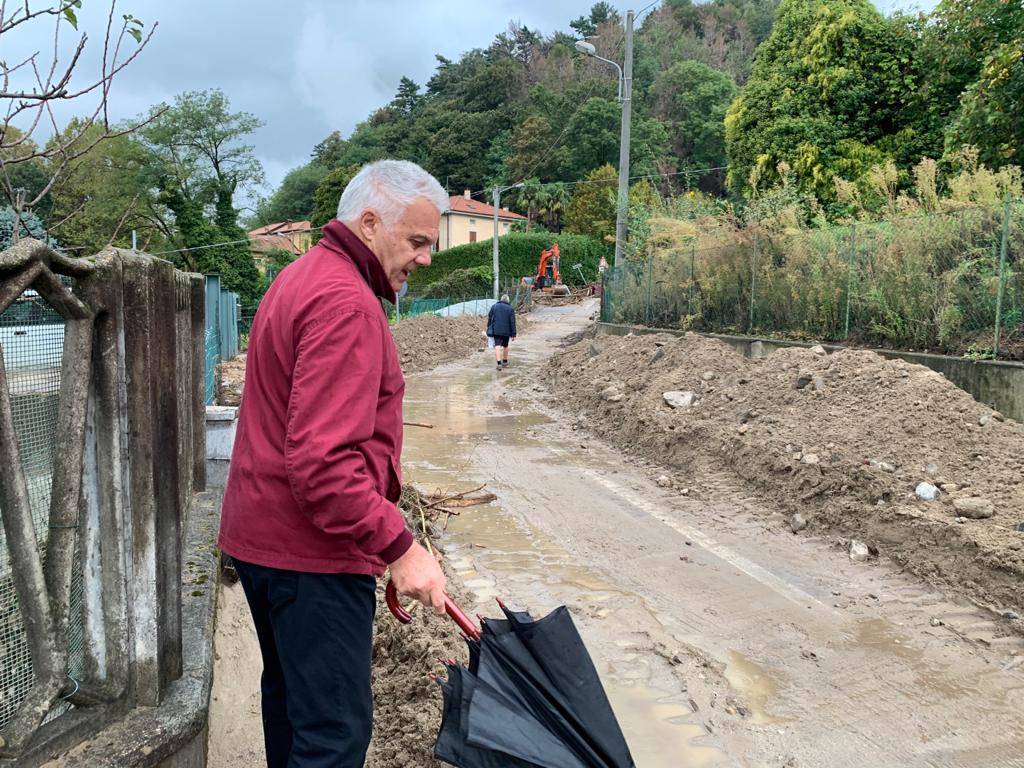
[(315, 473)]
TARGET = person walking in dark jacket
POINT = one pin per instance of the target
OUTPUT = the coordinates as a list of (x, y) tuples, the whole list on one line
[(501, 326)]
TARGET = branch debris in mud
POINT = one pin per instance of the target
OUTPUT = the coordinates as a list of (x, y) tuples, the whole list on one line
[(423, 512)]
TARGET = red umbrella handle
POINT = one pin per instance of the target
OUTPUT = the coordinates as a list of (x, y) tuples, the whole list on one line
[(465, 623)]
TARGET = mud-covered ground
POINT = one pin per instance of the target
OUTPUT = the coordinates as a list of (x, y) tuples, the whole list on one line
[(845, 440)]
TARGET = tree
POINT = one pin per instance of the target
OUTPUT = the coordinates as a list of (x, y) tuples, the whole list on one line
[(595, 130), (533, 150), (692, 99), (199, 162), (293, 200), (325, 200), (827, 87), (407, 98), (279, 258), (600, 13), (992, 109), (13, 227), (592, 208), (328, 153), (105, 195), (31, 86)]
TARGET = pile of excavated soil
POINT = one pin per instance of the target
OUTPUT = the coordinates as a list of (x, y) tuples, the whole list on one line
[(423, 342), (842, 439), (427, 341)]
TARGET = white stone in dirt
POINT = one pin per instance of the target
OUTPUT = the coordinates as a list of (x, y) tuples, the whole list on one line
[(708, 375), (926, 491), (819, 350), (664, 481), (810, 458), (797, 523), (884, 466), (611, 394), (974, 507), (677, 399), (819, 384), (859, 551)]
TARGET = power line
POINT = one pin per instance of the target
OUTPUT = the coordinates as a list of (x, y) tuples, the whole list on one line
[(687, 172), (232, 242)]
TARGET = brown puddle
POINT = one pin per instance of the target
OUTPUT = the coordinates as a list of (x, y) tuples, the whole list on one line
[(755, 683)]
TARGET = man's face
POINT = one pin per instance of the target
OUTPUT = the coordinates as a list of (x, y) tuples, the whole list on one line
[(405, 246)]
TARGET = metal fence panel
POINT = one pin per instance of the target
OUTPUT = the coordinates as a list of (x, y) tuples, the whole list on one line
[(32, 337)]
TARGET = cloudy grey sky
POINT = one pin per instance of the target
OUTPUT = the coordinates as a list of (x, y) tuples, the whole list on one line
[(305, 67)]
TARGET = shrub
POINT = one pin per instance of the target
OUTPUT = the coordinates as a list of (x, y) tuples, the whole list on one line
[(459, 284)]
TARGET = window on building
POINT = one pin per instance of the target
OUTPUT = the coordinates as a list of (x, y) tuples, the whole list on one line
[(472, 237)]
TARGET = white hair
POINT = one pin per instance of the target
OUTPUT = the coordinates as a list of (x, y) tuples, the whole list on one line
[(505, 298), (389, 187)]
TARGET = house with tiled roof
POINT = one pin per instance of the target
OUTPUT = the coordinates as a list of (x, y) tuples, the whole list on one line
[(468, 220), (291, 236)]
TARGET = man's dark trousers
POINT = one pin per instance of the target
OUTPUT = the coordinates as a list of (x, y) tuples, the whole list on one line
[(316, 635)]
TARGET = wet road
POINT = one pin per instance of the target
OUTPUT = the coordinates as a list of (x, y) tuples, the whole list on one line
[(722, 638)]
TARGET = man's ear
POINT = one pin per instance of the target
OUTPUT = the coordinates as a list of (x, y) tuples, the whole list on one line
[(369, 224)]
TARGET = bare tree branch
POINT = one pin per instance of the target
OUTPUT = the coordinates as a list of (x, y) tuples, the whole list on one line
[(52, 84)]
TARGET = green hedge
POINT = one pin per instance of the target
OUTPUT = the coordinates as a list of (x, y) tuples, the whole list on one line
[(475, 281), (519, 254)]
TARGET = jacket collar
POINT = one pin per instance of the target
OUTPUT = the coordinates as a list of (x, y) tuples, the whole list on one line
[(340, 239)]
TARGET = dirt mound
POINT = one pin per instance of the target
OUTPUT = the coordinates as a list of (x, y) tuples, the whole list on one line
[(427, 341), (845, 440), (423, 342)]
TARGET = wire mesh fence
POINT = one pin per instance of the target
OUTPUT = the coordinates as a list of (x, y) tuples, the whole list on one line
[(951, 283), (32, 338)]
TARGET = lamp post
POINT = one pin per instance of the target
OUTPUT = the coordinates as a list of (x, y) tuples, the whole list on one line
[(626, 100), (496, 200)]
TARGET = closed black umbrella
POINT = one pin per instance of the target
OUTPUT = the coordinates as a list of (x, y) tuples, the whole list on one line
[(529, 697)]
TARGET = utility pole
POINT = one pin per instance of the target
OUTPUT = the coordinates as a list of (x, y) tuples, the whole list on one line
[(621, 225), (496, 202)]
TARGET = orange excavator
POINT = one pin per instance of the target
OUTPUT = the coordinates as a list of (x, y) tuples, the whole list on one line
[(548, 278)]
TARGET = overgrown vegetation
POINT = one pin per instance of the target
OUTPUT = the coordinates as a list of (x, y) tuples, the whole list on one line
[(921, 274)]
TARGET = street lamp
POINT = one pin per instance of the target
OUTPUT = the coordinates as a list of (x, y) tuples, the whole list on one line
[(496, 199), (625, 98)]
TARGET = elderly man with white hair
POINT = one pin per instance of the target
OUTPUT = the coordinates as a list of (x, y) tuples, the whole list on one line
[(310, 512)]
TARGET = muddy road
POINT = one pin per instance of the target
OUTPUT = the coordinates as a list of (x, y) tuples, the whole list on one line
[(722, 638)]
